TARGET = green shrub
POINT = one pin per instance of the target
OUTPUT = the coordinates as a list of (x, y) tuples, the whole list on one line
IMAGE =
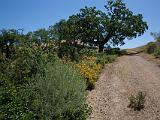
[(15, 73), (157, 52), (68, 51), (87, 52), (151, 47), (123, 52), (104, 59), (12, 105), (137, 101), (26, 63), (90, 70), (113, 51), (60, 94)]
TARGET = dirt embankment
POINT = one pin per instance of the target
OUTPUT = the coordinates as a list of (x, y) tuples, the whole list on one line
[(118, 81)]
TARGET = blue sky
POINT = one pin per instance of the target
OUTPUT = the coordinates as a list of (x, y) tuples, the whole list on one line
[(35, 14)]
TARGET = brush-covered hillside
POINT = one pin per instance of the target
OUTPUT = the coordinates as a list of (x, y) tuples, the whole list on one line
[(152, 48)]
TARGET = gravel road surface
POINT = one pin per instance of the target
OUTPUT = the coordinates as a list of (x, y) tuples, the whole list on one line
[(129, 75)]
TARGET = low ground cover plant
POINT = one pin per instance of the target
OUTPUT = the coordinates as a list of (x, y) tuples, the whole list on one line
[(137, 102)]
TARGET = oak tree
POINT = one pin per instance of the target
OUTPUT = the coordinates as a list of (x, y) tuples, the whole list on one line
[(114, 26)]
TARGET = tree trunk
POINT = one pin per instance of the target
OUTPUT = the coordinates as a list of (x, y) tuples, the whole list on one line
[(103, 42), (101, 47)]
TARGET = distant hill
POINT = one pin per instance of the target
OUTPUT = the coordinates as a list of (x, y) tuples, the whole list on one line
[(137, 49)]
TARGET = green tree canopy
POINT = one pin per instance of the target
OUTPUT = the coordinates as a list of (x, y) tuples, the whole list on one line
[(114, 26), (40, 35), (66, 30), (58, 31), (99, 28)]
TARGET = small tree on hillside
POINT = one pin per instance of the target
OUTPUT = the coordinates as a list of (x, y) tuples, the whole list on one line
[(156, 37)]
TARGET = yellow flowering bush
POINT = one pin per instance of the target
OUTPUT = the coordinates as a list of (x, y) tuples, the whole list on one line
[(90, 67), (90, 70)]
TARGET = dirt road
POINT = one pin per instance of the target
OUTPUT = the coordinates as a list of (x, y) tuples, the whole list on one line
[(118, 81)]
